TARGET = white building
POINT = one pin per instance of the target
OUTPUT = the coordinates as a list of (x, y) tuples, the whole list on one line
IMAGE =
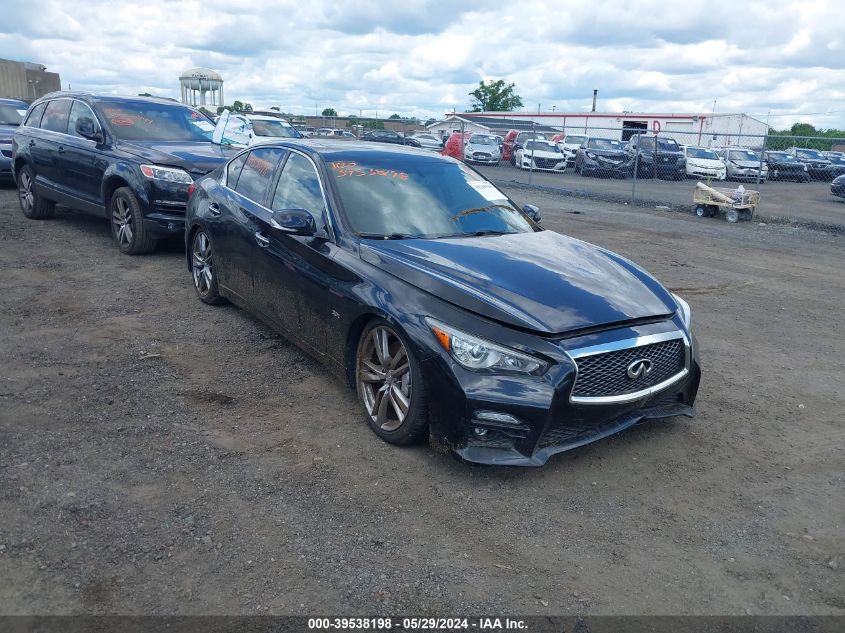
[(201, 86), (705, 129)]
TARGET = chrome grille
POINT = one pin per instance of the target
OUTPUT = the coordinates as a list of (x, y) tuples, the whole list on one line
[(605, 374)]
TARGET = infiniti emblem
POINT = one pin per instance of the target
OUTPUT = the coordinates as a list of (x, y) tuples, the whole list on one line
[(639, 368)]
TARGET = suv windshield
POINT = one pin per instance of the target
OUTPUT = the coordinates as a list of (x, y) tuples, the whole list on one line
[(481, 139), (142, 121), (394, 197), (700, 152), (572, 139), (604, 143), (262, 127), (10, 115), (743, 154), (663, 144), (810, 153), (783, 158)]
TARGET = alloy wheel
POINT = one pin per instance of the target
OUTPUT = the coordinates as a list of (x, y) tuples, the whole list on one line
[(25, 191), (384, 378), (201, 263), (122, 220)]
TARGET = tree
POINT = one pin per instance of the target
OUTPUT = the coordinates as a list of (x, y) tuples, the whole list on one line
[(495, 96), (394, 116), (144, 94), (241, 106), (803, 129), (206, 111), (276, 108), (329, 112)]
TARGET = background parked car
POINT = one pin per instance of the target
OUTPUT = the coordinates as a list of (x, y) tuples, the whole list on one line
[(11, 115), (659, 156), (514, 140), (837, 187), (603, 156), (703, 163), (482, 149), (742, 163), (425, 141), (784, 166), (569, 143), (817, 163), (384, 136), (130, 159), (836, 167), (454, 145), (271, 127), (542, 155)]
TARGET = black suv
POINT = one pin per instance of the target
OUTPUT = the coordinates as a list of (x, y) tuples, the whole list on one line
[(658, 156), (130, 159)]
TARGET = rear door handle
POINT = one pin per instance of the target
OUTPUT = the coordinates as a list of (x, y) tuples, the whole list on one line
[(214, 209), (61, 150), (263, 241), (32, 143)]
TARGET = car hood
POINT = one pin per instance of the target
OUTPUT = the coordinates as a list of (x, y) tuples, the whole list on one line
[(539, 153), (489, 149), (705, 162), (541, 281), (747, 164), (197, 158), (615, 154)]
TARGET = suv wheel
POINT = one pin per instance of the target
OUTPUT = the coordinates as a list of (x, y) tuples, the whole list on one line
[(127, 224), (34, 206)]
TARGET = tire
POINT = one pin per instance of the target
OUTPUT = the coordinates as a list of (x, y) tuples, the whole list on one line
[(34, 206), (203, 272), (391, 390), (732, 215), (127, 224), (701, 212)]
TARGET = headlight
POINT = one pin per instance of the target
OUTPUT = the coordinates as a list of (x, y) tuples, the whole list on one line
[(805, 168), (684, 309), (169, 174), (591, 155), (477, 354)]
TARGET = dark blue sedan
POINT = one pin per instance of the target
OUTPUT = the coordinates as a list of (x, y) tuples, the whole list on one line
[(449, 309)]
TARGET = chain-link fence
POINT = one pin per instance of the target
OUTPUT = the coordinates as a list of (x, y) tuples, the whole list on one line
[(638, 166)]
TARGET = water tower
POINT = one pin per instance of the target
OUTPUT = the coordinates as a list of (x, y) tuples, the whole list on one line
[(202, 86)]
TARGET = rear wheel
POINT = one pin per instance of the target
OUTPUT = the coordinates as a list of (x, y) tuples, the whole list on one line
[(732, 215), (701, 211), (34, 206), (390, 386), (127, 224)]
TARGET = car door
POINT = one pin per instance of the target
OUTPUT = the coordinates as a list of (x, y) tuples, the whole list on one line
[(44, 145), (232, 233), (296, 266), (80, 163)]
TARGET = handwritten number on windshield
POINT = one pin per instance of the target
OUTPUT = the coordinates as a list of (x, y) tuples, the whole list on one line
[(346, 169)]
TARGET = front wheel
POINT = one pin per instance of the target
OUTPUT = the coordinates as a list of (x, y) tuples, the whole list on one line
[(390, 385), (34, 206), (127, 224), (732, 215), (700, 211)]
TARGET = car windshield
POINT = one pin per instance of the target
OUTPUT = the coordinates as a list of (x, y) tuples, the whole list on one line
[(425, 137), (572, 139), (524, 136), (663, 144), (604, 143), (810, 153), (10, 115), (276, 128), (743, 154), (395, 197), (480, 139), (142, 121), (542, 146), (783, 158), (700, 152)]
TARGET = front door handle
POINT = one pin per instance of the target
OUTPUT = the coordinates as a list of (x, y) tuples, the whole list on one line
[(32, 143), (214, 209), (61, 150), (262, 240)]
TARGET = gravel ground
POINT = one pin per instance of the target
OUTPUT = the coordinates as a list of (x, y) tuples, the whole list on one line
[(158, 455)]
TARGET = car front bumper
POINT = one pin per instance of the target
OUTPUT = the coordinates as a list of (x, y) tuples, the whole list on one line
[(838, 190), (706, 172), (543, 418), (607, 167)]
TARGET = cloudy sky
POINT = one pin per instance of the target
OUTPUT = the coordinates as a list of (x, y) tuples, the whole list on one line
[(422, 57)]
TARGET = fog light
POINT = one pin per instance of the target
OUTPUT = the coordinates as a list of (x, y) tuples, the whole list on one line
[(171, 226), (494, 416), (479, 431)]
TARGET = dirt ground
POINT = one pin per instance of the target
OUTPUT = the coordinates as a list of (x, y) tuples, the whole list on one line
[(158, 455)]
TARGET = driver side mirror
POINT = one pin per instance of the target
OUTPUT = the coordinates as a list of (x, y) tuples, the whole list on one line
[(294, 222), (532, 212), (86, 129)]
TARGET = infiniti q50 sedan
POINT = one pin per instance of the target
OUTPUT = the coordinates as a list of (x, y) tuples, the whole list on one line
[(448, 308)]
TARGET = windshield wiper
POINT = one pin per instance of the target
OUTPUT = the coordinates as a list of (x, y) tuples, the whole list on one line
[(482, 210), (390, 236)]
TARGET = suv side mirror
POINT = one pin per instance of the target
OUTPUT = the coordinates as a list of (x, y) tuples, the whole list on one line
[(532, 212), (294, 222), (86, 129)]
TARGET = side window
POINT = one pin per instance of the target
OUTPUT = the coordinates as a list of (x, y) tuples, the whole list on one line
[(77, 111), (55, 116), (299, 188), (257, 173), (234, 170), (34, 118)]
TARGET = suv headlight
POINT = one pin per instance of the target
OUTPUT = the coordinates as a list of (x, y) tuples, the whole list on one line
[(476, 354), (169, 174), (684, 309)]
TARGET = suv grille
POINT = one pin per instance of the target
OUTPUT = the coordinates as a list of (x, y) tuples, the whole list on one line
[(606, 374)]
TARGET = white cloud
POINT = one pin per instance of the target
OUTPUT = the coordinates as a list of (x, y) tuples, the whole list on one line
[(422, 58)]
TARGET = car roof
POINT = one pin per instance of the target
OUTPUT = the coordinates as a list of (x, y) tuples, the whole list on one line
[(116, 99), (335, 149), (14, 102)]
